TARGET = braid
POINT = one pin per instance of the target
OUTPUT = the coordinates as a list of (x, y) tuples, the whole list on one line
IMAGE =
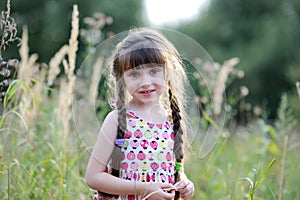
[(117, 153), (116, 156), (178, 134)]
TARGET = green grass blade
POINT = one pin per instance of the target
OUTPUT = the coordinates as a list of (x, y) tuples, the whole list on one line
[(10, 92), (266, 172)]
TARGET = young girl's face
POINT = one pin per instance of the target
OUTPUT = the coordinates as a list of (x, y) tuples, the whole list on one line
[(145, 84)]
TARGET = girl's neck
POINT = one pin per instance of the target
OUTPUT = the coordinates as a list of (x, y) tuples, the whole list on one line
[(154, 112), (136, 106)]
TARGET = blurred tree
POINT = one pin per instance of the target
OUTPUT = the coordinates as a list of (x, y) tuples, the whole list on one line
[(263, 34), (49, 25)]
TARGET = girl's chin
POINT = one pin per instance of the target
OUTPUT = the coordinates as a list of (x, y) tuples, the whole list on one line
[(146, 102)]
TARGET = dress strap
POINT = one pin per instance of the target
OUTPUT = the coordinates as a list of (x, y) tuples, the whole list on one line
[(131, 113)]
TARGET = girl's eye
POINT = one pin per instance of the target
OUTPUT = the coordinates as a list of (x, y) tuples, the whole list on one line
[(154, 71), (133, 74)]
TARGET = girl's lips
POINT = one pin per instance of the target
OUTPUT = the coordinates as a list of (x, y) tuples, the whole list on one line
[(146, 92)]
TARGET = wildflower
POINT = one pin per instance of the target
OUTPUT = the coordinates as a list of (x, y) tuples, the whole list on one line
[(92, 35), (198, 61), (244, 91), (257, 111)]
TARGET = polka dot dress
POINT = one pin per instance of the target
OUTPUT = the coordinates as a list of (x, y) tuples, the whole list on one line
[(147, 153)]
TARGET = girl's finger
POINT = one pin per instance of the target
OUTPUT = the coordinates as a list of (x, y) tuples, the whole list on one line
[(167, 186), (187, 192), (179, 185), (168, 196)]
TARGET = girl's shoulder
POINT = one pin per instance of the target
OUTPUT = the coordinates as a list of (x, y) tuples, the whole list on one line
[(110, 126), (111, 118), (112, 114)]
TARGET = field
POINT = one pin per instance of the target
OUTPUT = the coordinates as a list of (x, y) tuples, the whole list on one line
[(44, 153), (41, 163)]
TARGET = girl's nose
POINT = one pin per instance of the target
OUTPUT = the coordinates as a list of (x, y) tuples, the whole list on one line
[(145, 81)]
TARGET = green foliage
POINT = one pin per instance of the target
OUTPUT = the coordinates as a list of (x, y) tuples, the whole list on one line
[(35, 163), (49, 21), (215, 177), (262, 34), (285, 118), (254, 182), (39, 165)]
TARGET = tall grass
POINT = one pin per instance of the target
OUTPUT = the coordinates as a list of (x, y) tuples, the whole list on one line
[(40, 153), (42, 157)]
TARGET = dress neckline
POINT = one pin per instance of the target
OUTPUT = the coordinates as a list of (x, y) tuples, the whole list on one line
[(168, 118)]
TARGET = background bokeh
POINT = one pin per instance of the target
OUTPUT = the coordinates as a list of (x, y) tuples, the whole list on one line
[(256, 53), (263, 34)]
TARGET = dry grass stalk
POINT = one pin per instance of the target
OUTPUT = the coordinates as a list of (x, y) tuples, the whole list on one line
[(69, 50), (73, 43), (37, 89), (63, 111), (27, 70), (67, 84), (219, 90), (93, 92), (27, 65), (282, 170), (54, 69)]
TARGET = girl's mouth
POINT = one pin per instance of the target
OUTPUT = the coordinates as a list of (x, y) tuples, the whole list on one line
[(147, 91)]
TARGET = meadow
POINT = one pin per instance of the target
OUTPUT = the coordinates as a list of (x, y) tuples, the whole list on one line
[(43, 152)]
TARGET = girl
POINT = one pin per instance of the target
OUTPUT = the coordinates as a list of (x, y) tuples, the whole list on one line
[(139, 150)]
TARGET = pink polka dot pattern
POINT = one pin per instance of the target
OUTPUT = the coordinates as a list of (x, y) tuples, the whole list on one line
[(149, 150)]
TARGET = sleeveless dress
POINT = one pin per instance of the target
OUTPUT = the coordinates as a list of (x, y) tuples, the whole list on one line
[(147, 153)]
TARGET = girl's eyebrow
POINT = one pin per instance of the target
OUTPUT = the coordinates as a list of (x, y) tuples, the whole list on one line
[(159, 67), (133, 69)]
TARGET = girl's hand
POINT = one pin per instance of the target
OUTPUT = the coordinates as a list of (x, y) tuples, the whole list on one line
[(186, 188), (159, 191)]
